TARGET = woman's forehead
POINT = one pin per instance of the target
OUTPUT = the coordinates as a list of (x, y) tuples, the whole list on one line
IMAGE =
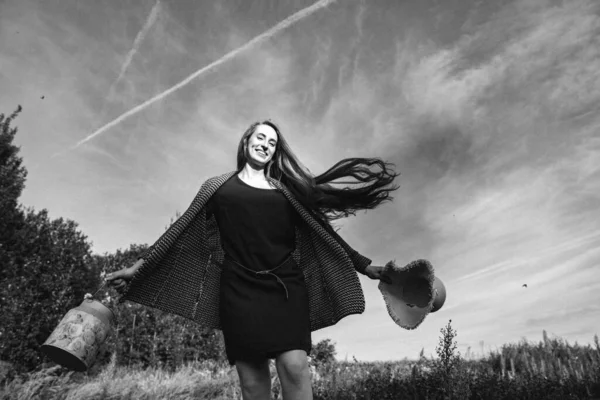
[(267, 130)]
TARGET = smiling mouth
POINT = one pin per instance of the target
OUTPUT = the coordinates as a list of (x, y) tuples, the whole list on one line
[(261, 152)]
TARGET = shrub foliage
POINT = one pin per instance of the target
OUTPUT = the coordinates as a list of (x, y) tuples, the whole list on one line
[(47, 268)]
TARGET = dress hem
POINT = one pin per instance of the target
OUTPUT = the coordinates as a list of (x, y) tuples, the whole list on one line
[(271, 354)]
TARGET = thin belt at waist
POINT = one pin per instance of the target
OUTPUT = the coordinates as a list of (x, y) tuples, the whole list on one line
[(265, 272)]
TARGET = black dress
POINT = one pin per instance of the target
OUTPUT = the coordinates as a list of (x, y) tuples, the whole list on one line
[(263, 298)]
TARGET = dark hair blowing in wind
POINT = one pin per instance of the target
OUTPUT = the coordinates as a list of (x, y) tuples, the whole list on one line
[(317, 193)]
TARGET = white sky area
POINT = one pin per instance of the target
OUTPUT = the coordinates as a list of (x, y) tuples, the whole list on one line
[(488, 109)]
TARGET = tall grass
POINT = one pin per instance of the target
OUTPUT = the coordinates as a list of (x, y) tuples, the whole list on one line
[(550, 369), (202, 380)]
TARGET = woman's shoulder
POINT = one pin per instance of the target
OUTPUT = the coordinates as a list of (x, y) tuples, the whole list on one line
[(219, 179), (214, 183)]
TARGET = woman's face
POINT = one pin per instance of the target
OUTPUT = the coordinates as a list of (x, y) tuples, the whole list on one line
[(261, 145)]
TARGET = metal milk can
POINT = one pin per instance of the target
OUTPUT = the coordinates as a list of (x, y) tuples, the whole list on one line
[(74, 343)]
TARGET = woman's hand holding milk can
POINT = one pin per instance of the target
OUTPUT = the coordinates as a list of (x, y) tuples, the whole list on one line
[(120, 278)]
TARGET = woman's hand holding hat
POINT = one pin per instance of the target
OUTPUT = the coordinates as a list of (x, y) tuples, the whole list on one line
[(375, 272)]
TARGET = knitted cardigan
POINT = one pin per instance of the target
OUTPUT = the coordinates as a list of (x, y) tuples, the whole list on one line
[(181, 270)]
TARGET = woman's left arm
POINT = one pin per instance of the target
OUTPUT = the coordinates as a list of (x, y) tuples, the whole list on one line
[(361, 263)]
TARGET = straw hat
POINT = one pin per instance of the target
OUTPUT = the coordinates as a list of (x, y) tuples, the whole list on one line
[(413, 293)]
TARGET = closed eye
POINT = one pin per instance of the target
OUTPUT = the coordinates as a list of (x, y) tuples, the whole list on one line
[(271, 142)]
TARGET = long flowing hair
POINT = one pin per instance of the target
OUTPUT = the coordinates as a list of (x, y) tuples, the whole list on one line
[(317, 193)]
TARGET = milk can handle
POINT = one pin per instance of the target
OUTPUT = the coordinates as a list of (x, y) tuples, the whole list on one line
[(91, 296)]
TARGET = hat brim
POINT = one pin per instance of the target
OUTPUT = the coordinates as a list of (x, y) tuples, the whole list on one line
[(409, 298)]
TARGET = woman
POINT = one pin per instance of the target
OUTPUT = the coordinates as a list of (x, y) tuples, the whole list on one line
[(255, 255)]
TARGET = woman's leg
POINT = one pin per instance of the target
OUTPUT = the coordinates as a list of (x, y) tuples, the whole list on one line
[(294, 375), (255, 379)]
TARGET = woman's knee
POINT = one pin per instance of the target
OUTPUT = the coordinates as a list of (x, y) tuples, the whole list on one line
[(255, 377), (294, 366)]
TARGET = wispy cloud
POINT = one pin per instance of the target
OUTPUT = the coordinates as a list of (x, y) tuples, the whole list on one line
[(152, 16), (506, 179), (255, 41)]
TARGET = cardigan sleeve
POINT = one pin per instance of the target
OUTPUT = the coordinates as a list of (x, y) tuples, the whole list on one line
[(360, 262), (145, 253)]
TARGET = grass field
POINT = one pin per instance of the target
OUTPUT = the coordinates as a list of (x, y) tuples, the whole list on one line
[(550, 369)]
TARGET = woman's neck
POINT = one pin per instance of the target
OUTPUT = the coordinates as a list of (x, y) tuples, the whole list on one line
[(252, 175)]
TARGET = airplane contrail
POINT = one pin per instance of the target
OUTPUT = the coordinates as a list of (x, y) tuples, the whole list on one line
[(136, 44), (258, 39)]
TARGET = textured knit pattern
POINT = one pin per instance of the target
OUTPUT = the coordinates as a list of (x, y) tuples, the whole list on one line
[(181, 270)]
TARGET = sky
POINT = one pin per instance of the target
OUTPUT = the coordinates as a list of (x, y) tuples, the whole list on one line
[(489, 110)]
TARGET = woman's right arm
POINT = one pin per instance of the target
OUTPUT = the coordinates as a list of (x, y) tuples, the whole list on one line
[(119, 279), (136, 266)]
